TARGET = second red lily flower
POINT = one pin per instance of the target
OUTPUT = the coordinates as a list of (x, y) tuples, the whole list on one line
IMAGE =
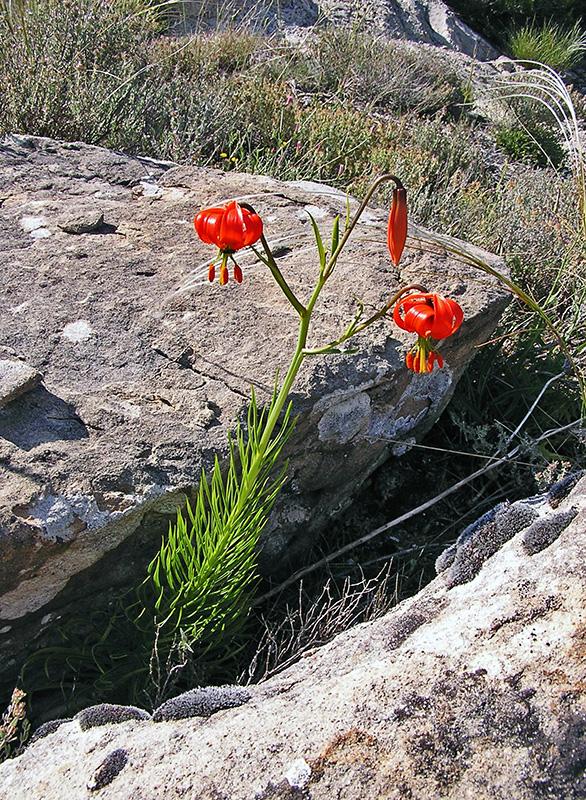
[(431, 317)]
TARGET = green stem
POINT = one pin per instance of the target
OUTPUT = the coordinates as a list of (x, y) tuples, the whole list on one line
[(283, 394), (277, 408), (352, 331), (305, 313)]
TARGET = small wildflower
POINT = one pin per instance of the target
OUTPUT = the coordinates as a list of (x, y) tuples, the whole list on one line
[(14, 726)]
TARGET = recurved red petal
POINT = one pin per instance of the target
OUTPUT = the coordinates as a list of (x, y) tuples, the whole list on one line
[(448, 317), (253, 227), (435, 357), (207, 224), (419, 319), (231, 233), (403, 306)]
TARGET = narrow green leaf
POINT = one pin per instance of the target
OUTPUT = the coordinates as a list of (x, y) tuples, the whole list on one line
[(335, 234), (318, 241)]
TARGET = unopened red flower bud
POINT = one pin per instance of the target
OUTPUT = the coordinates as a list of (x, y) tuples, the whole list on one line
[(397, 227)]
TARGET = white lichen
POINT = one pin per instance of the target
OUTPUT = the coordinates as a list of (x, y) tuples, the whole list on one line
[(298, 773), (78, 331)]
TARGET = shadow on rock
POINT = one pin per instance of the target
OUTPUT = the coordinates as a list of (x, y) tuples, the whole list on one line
[(40, 417)]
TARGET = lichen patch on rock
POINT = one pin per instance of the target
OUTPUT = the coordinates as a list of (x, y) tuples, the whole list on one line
[(78, 331)]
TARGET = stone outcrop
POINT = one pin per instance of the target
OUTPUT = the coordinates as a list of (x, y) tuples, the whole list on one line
[(422, 21), (146, 366), (474, 688)]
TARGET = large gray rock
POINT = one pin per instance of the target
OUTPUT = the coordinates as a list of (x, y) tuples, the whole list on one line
[(147, 366), (422, 21), (472, 689)]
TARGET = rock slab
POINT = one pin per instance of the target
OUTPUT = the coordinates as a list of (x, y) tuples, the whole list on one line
[(468, 690)]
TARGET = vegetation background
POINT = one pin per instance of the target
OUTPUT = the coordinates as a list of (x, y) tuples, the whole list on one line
[(341, 108)]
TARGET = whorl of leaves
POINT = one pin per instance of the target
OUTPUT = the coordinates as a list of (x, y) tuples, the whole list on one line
[(199, 585)]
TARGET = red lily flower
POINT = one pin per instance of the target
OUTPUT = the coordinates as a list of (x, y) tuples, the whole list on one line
[(431, 317), (428, 315), (230, 227), (397, 227)]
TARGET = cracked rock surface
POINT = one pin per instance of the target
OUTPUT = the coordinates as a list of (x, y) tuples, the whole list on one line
[(146, 366), (474, 690)]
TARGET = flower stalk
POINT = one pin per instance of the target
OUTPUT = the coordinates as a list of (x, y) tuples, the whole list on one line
[(327, 265)]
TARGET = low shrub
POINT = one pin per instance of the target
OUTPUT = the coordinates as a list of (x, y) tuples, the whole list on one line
[(368, 71), (437, 160), (494, 18), (75, 70), (539, 145)]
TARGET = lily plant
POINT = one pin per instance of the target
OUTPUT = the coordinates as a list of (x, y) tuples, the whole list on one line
[(200, 586)]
